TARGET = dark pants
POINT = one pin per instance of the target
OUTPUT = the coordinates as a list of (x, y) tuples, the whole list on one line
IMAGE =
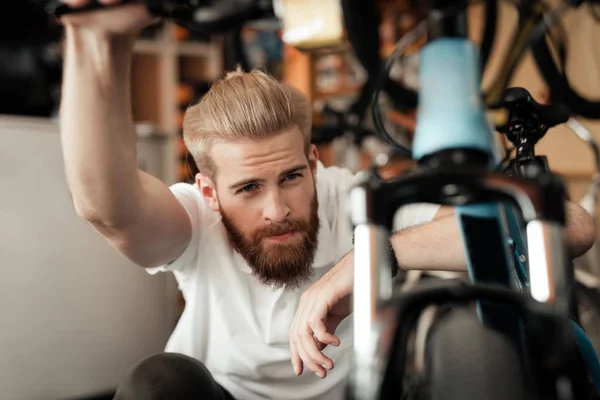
[(170, 376)]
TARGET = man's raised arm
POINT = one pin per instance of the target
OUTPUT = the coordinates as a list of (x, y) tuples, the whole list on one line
[(136, 212)]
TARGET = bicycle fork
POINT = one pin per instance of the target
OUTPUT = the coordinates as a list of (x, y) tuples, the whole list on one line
[(373, 205)]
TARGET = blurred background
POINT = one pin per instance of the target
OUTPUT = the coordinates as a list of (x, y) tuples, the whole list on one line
[(75, 315)]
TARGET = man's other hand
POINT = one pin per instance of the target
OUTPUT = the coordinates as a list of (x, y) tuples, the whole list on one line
[(319, 313)]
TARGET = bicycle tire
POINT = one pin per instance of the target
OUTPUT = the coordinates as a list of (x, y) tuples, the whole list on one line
[(560, 88), (489, 32), (362, 19), (587, 296), (466, 360)]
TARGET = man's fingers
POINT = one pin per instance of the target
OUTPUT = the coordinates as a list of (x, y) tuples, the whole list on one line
[(296, 360), (310, 364), (320, 345), (309, 336), (110, 2), (308, 343), (320, 332)]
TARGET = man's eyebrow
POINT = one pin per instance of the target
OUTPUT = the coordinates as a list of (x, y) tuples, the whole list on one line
[(251, 181)]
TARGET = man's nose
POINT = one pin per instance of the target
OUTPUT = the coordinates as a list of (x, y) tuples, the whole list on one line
[(276, 209)]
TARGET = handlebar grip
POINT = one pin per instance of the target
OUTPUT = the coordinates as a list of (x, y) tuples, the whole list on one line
[(518, 99), (554, 114), (58, 9)]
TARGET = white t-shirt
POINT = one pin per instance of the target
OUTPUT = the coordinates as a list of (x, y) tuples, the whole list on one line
[(237, 326)]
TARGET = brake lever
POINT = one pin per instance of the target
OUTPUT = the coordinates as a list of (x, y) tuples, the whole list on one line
[(58, 8)]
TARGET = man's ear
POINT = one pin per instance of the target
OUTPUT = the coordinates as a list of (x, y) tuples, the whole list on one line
[(208, 190), (313, 158)]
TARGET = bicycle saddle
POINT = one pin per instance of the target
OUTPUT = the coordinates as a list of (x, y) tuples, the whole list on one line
[(521, 105)]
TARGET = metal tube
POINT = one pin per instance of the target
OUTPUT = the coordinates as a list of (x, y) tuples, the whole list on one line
[(447, 18), (372, 284), (548, 274)]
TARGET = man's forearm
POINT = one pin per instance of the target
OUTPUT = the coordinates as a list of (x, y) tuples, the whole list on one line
[(438, 245), (342, 275), (97, 130), (434, 245), (581, 229)]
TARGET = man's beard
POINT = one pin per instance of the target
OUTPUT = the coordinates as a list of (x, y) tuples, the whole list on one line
[(279, 264)]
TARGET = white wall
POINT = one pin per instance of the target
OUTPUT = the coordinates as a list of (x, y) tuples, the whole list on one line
[(74, 314)]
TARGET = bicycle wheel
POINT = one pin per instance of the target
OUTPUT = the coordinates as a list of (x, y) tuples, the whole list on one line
[(588, 302), (466, 360)]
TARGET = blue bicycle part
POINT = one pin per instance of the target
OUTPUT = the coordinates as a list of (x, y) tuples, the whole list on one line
[(489, 261), (449, 69), (590, 357), (451, 111), (518, 247)]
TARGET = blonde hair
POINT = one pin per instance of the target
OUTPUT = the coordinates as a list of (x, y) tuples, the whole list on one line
[(243, 105)]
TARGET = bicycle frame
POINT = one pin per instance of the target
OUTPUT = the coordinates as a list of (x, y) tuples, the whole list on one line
[(457, 157)]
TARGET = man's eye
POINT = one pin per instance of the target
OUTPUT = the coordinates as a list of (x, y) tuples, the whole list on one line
[(291, 177), (248, 188)]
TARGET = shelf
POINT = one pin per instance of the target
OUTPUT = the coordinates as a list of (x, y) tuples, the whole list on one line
[(148, 46), (341, 91), (189, 49), (197, 49)]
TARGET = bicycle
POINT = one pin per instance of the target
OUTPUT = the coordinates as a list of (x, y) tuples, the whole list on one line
[(587, 282), (458, 165)]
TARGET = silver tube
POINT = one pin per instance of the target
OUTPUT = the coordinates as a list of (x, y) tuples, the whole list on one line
[(548, 263), (372, 283)]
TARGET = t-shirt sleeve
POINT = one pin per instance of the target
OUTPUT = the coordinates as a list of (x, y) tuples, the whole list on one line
[(334, 184), (197, 210), (339, 181), (414, 214)]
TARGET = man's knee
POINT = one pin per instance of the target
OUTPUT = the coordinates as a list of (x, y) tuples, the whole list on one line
[(168, 376)]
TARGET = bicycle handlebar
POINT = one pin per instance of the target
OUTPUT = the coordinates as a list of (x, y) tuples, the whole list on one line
[(518, 100)]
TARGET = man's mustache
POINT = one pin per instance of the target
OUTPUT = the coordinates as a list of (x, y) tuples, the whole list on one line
[(281, 229)]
